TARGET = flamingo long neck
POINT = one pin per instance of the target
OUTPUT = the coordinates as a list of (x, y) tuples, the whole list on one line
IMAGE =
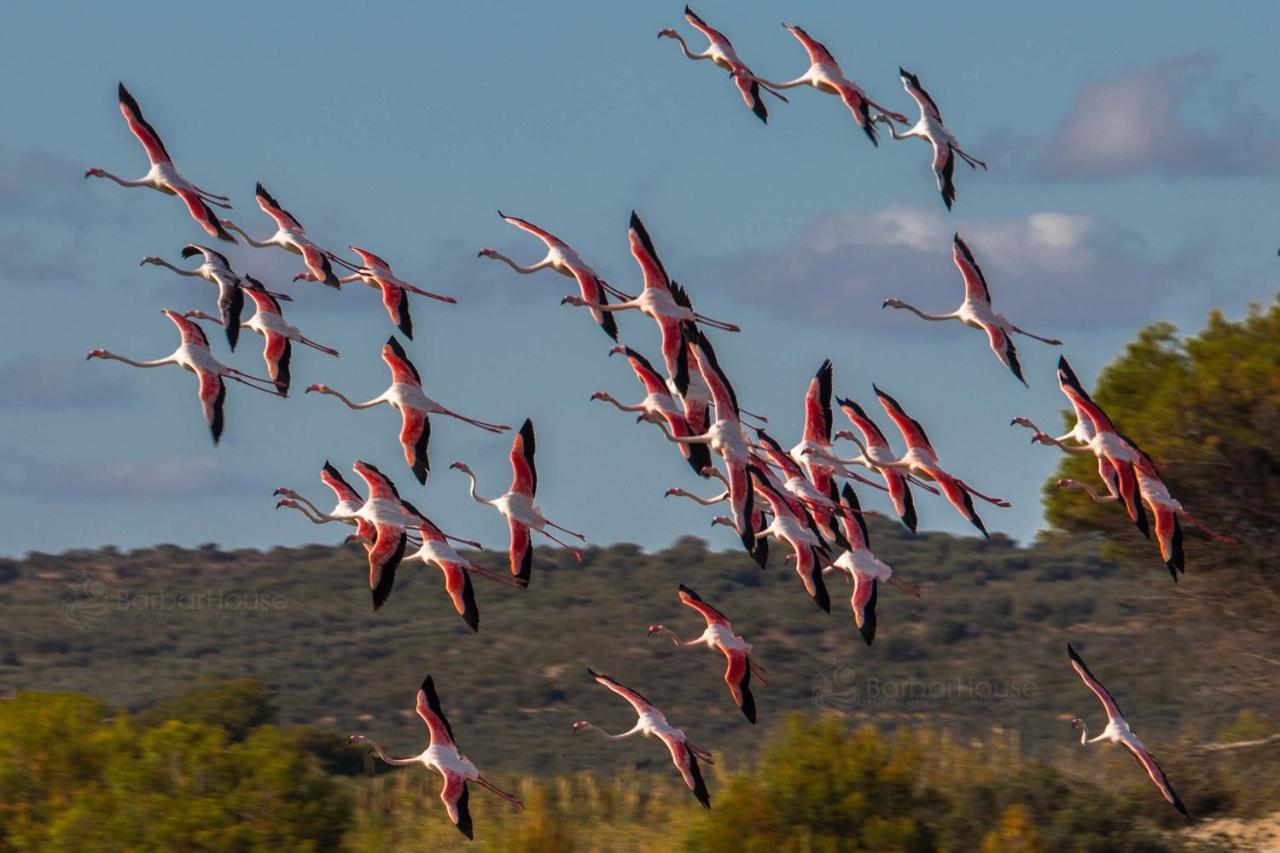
[(474, 496), (154, 363), (231, 226), (125, 182), (179, 270), (388, 759), (688, 53), (672, 634), (926, 316), (618, 736), (543, 264), (368, 404)]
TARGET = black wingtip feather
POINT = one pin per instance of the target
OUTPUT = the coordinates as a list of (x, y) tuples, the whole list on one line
[(699, 784), (868, 629)]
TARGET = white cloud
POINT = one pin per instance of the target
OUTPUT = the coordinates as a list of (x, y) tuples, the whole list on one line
[(1051, 268), (1176, 118)]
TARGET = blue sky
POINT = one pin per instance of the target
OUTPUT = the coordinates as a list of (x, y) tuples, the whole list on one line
[(1133, 177)]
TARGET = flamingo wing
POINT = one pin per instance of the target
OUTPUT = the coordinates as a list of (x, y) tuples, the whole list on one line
[(722, 393), (457, 583), (524, 472), (638, 702), (975, 283), (330, 476), (912, 432), (737, 675), (818, 53), (141, 128), (589, 287), (457, 799), (944, 170), (655, 275), (1109, 704), (415, 433), (871, 433), (369, 259), (402, 369), (277, 352), (283, 218), (1001, 343), (918, 94), (645, 372), (703, 27), (687, 763), (865, 592), (1156, 773), (384, 557), (213, 394), (396, 300), (691, 599), (428, 708), (520, 551), (201, 212), (817, 406), (551, 240)]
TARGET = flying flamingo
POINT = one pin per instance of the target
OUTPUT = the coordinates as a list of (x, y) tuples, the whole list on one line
[(862, 568), (719, 636), (656, 300), (1117, 455), (796, 531), (720, 51), (817, 429), (216, 270), (389, 517), (442, 756), (976, 311), (457, 570), (292, 237), (376, 273), (658, 405), (562, 258), (931, 129), (162, 176), (193, 354), (822, 507), (517, 505), (405, 394), (921, 460), (346, 511), (760, 551), (825, 75), (269, 322), (724, 436), (877, 451), (684, 755), (1118, 731)]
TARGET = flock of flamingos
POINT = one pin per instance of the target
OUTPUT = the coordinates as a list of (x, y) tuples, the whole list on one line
[(787, 496)]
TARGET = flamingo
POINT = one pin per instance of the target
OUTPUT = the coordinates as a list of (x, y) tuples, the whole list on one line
[(656, 300), (976, 311), (878, 451), (1118, 731), (1165, 509), (719, 636), (387, 516), (862, 568), (931, 129), (817, 429), (517, 505), (724, 436), (292, 237), (405, 394), (162, 176), (376, 273), (562, 258), (269, 322), (1117, 455), (346, 511), (652, 722), (795, 529), (821, 506), (193, 354), (922, 460), (825, 75), (216, 270), (457, 570), (658, 405), (720, 51), (442, 756)]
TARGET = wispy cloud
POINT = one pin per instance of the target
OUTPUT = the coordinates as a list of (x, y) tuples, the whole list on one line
[(1178, 118), (1052, 268), (60, 383), (93, 479)]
